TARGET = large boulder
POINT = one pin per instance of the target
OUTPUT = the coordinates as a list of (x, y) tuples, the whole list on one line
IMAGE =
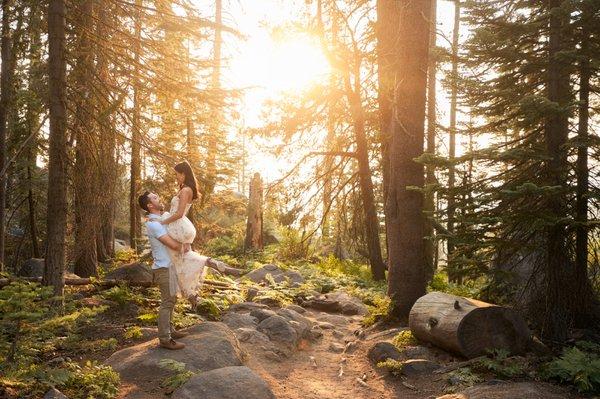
[(511, 390), (132, 272), (225, 383), (279, 276), (209, 346), (301, 324), (246, 307), (280, 330), (54, 393), (33, 267)]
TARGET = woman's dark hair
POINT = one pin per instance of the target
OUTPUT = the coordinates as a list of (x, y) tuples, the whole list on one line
[(190, 180)]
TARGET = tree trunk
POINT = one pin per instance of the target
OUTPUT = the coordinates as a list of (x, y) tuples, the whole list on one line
[(559, 273), (365, 182), (404, 207), (582, 282), (254, 224), (57, 149), (453, 274), (85, 173), (134, 177), (215, 134), (107, 153), (467, 327), (431, 244), (5, 101), (32, 222)]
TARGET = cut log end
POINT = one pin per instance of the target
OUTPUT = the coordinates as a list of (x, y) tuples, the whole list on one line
[(466, 326)]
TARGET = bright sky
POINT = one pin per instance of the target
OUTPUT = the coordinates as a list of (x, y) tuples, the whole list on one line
[(269, 67)]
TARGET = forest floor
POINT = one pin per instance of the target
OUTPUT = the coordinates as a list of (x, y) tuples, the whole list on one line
[(97, 324)]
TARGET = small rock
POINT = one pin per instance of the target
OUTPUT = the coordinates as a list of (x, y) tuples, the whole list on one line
[(351, 347), (279, 276), (338, 334), (273, 356), (336, 348), (296, 308), (262, 314), (268, 301), (251, 293), (381, 351), (303, 325), (237, 320), (225, 383), (326, 326), (54, 393), (55, 361), (418, 366), (246, 306), (315, 333)]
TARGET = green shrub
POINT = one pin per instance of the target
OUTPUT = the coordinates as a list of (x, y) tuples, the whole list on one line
[(224, 245), (91, 381), (501, 365), (208, 308), (178, 377), (380, 310), (148, 319), (133, 332), (393, 366), (292, 245), (576, 367), (122, 295), (403, 339)]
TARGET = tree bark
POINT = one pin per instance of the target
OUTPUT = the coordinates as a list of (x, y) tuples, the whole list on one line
[(57, 149), (85, 174), (559, 272), (215, 133), (365, 181), (404, 207), (254, 224), (5, 101), (431, 244), (453, 275), (135, 173)]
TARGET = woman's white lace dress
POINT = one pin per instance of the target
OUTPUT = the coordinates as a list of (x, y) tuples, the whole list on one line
[(187, 270)]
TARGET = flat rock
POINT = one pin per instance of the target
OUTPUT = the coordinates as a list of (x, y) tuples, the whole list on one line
[(511, 390), (246, 306), (279, 329), (133, 272), (336, 347), (225, 383), (338, 302), (54, 393), (333, 319), (418, 366), (325, 326), (261, 314), (279, 276), (209, 346), (381, 351), (238, 320), (418, 352)]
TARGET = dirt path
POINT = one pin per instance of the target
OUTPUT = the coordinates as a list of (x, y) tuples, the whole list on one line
[(314, 370)]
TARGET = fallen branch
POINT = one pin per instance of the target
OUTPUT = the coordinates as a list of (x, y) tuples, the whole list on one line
[(456, 366)]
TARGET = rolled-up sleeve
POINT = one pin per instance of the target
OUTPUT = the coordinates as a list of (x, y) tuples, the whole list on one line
[(155, 229)]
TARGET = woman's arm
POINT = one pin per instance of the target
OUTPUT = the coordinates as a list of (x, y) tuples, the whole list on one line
[(185, 198)]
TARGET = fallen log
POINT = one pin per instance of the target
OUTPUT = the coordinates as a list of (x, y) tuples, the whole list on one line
[(467, 327), (103, 283)]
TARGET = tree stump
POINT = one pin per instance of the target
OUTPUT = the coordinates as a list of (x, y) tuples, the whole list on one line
[(467, 327), (254, 236)]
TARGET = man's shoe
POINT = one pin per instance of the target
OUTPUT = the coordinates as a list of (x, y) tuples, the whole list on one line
[(171, 344), (178, 334)]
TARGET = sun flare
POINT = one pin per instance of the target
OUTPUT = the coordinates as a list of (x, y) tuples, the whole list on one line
[(284, 65)]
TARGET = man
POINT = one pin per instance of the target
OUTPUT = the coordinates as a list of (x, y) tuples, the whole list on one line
[(159, 241)]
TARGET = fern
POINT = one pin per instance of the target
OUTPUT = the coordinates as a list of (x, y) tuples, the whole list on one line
[(178, 377), (577, 367)]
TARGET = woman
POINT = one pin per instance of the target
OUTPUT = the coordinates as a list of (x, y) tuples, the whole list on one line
[(187, 270)]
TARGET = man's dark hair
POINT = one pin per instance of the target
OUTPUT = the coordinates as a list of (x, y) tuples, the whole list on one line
[(144, 200)]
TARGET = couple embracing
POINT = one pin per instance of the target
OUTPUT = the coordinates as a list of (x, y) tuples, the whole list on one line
[(177, 270)]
